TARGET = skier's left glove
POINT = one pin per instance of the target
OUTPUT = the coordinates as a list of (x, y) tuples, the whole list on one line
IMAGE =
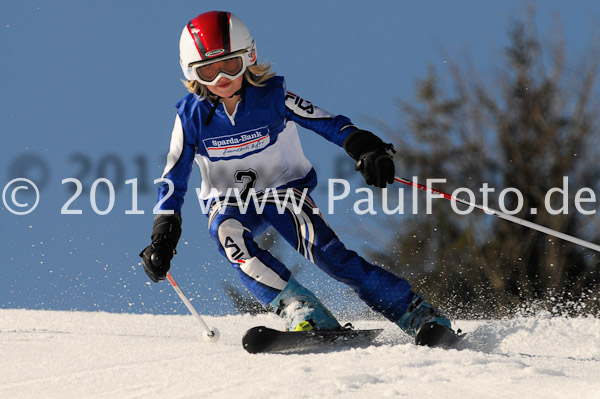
[(372, 157), (157, 256)]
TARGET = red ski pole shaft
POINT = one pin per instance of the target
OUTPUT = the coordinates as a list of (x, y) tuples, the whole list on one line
[(502, 215)]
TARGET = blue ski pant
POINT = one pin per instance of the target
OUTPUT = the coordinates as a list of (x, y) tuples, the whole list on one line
[(234, 229)]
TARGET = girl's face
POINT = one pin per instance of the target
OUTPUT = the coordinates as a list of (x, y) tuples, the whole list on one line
[(226, 87)]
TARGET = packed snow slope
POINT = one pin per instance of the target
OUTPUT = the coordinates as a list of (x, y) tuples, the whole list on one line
[(49, 354)]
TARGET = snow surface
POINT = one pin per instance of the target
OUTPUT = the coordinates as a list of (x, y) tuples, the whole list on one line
[(51, 354)]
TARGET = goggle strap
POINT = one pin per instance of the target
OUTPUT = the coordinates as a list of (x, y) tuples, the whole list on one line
[(212, 111), (216, 105)]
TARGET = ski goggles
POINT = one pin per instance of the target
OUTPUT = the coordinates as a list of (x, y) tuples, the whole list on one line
[(230, 67)]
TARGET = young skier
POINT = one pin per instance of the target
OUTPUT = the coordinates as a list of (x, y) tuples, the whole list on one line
[(239, 124)]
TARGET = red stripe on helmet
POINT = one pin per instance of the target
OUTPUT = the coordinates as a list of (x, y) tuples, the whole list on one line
[(211, 35), (194, 33)]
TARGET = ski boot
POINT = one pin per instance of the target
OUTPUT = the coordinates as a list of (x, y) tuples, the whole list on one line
[(302, 310), (427, 324)]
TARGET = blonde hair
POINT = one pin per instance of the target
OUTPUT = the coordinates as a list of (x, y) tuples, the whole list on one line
[(256, 75)]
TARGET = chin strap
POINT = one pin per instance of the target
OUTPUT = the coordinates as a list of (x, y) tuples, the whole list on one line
[(216, 105)]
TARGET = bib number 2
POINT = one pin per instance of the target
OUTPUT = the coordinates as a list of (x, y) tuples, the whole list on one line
[(248, 177)]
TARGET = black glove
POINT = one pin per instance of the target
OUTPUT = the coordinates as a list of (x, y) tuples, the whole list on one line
[(157, 256), (372, 157)]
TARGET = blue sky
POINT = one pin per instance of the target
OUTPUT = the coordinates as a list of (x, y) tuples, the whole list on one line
[(87, 90)]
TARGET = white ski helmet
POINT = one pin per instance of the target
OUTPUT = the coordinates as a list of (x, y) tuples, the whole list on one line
[(212, 37)]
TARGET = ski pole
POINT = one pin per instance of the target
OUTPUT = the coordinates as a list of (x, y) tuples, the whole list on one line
[(209, 335), (502, 215)]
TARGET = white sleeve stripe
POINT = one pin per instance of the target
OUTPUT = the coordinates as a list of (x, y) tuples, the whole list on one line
[(304, 108), (176, 147), (347, 126)]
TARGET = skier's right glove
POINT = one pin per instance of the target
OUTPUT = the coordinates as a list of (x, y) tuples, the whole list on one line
[(157, 256), (372, 158)]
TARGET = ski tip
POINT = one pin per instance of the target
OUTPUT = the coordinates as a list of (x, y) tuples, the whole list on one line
[(252, 341), (437, 335)]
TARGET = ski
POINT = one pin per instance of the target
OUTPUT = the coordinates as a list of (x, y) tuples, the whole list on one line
[(438, 335), (267, 340)]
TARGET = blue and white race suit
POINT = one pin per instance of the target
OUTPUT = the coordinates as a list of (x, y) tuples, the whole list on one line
[(258, 148)]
